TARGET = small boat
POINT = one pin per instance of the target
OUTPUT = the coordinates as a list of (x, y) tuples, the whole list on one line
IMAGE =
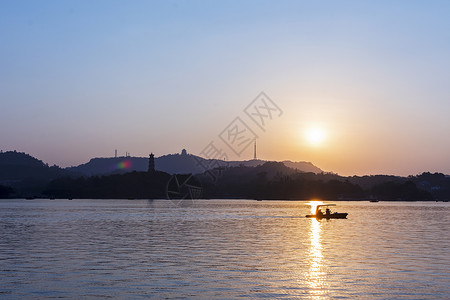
[(327, 215), (373, 199)]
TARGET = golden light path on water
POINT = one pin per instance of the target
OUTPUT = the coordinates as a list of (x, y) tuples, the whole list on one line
[(316, 275)]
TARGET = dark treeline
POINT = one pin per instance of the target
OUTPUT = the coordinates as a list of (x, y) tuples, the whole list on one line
[(260, 185), (24, 176), (272, 181), (135, 185), (285, 187), (6, 191)]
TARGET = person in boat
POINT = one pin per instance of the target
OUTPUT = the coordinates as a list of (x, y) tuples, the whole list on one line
[(319, 213), (327, 212)]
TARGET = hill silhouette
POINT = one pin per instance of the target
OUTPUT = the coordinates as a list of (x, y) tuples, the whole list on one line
[(273, 180), (25, 173), (172, 164), (22, 175)]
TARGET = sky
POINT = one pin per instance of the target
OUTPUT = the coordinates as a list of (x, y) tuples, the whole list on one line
[(355, 87)]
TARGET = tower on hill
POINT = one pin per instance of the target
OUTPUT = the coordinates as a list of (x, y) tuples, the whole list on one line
[(151, 163)]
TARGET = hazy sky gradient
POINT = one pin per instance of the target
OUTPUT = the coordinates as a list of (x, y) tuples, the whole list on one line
[(79, 79)]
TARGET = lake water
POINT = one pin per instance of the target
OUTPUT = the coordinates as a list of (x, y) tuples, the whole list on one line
[(222, 249)]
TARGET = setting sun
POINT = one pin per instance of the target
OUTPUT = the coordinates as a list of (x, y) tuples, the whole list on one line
[(315, 136)]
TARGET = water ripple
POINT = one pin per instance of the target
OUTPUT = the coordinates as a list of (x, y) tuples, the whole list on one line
[(222, 249)]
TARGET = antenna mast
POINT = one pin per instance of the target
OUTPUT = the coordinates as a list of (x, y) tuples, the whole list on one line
[(254, 152)]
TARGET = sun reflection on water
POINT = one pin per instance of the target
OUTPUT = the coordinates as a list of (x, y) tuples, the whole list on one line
[(314, 204), (316, 276)]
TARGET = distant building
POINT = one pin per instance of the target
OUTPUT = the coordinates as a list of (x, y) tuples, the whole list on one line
[(183, 152), (151, 163)]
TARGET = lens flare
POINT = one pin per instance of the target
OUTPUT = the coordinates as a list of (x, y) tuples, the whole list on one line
[(123, 165)]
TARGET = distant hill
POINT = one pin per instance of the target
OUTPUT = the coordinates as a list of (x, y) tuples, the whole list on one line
[(26, 173), (274, 180), (17, 166), (173, 164), (302, 166), (22, 175), (14, 158)]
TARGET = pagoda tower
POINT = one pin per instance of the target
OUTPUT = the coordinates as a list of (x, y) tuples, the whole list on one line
[(151, 163)]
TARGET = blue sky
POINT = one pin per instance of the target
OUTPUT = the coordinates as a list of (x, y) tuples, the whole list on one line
[(79, 79)]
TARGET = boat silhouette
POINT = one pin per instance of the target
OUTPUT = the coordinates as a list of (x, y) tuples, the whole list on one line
[(327, 215)]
